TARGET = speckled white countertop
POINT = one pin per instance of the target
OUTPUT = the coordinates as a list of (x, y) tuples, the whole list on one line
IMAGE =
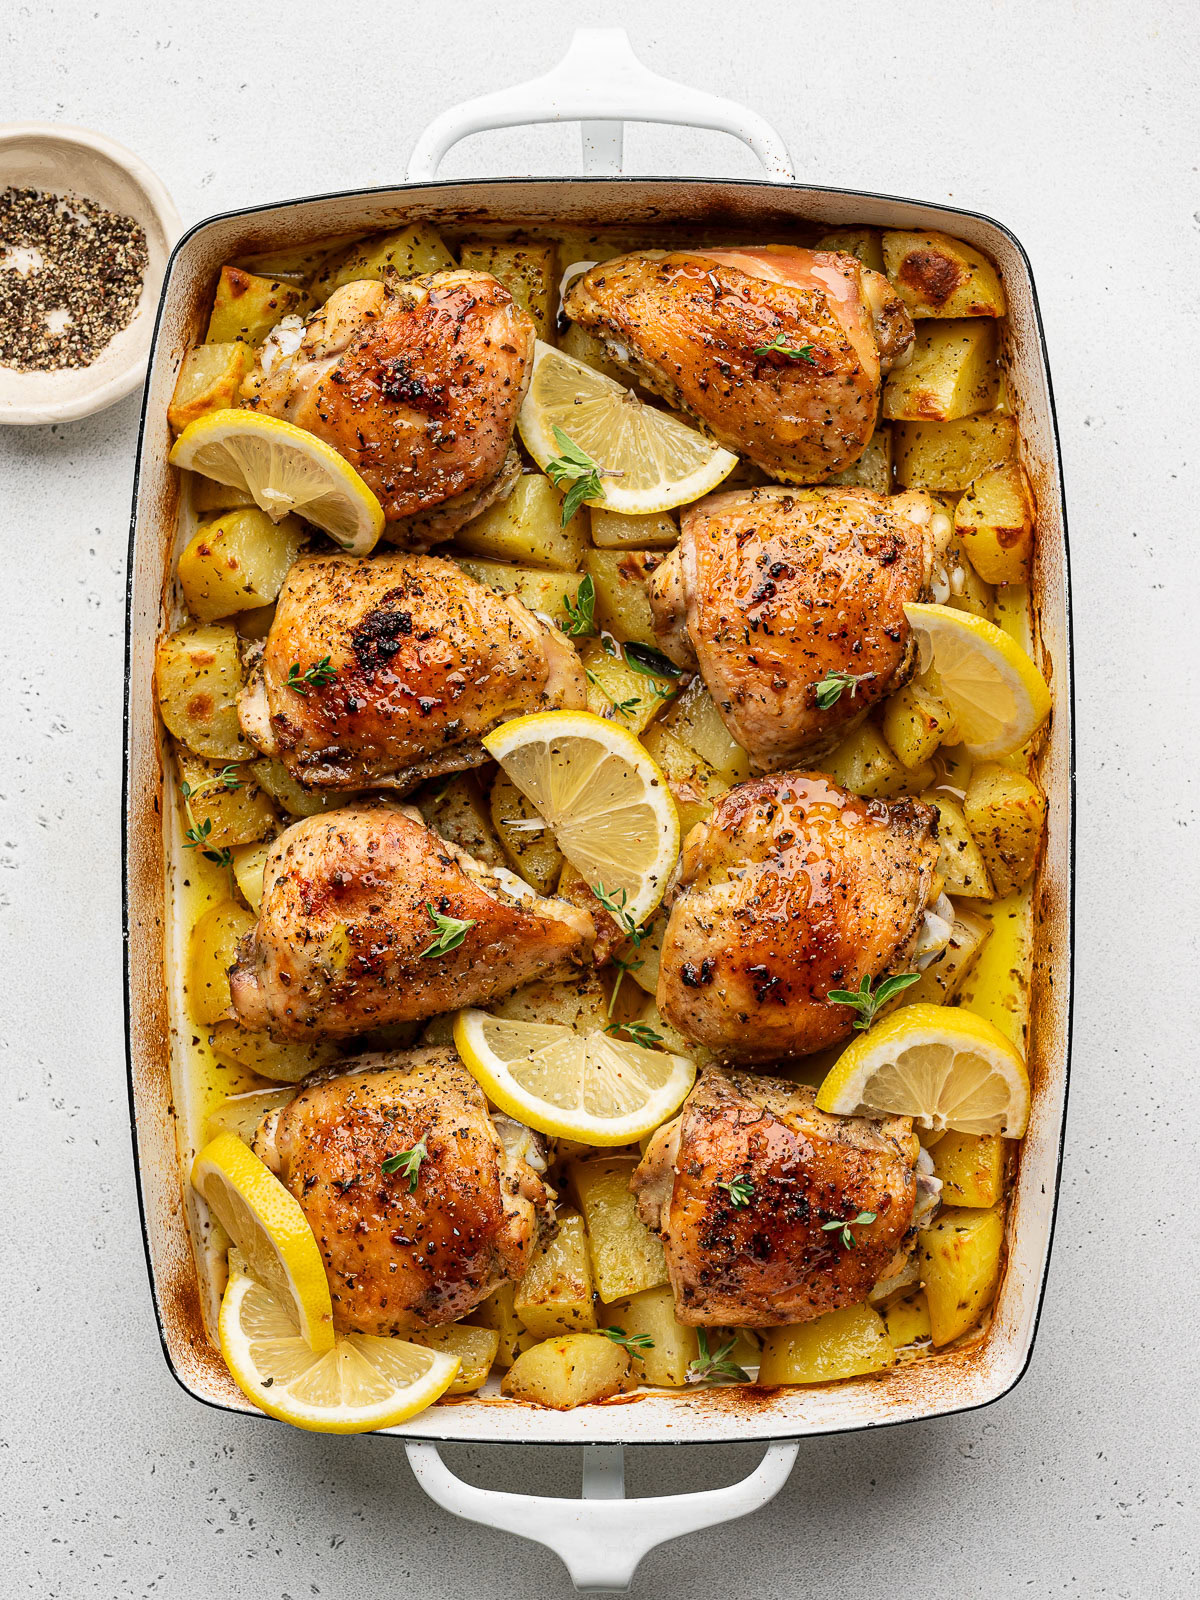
[(1077, 125)]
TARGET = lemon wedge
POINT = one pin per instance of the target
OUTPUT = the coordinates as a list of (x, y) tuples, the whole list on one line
[(584, 1086), (998, 697), (605, 800), (649, 460), (360, 1382), (940, 1065), (265, 1222), (284, 468)]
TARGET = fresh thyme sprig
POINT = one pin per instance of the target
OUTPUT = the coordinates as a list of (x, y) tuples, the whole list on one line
[(780, 346), (715, 1366), (316, 677), (407, 1164), (625, 707), (739, 1191), (581, 612), (631, 1341), (616, 910), (829, 690), (451, 931), (843, 1225), (575, 467), (640, 1032), (622, 968), (867, 1003)]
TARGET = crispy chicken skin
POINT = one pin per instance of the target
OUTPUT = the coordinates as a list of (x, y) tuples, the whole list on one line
[(423, 660), (770, 1261), (344, 923), (399, 1257), (793, 887), (417, 382), (693, 325), (770, 589)]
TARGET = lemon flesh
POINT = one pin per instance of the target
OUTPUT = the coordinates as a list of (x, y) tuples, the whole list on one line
[(360, 1382), (265, 1222), (944, 1067), (584, 1086), (651, 460), (284, 469), (604, 798), (999, 698)]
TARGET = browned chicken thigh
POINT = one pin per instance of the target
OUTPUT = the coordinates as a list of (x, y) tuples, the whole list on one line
[(417, 382), (793, 887), (771, 1260), (771, 590), (777, 351), (386, 671), (368, 917), (424, 1243)]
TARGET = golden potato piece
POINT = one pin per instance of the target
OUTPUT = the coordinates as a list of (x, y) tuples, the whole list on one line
[(555, 1294), (524, 837), (526, 527), (580, 1003), (237, 561), (907, 1319), (497, 1313), (227, 805), (528, 271), (587, 347), (940, 983), (971, 1167), (621, 691), (198, 676), (534, 587), (693, 782), (650, 1315), (952, 372), (249, 863), (865, 243), (915, 723), (622, 606), (456, 810), (950, 455), (960, 860), (210, 379), (475, 1348), (865, 765), (998, 986), (960, 1268), (574, 1370), (626, 1257), (1006, 814), (649, 955), (246, 307), (291, 796), (840, 1344), (873, 469), (937, 276), (994, 520), (258, 1052), (209, 495), (657, 530), (405, 253), (693, 718), (212, 950)]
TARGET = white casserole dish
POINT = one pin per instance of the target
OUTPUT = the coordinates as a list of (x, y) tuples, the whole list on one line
[(601, 1537)]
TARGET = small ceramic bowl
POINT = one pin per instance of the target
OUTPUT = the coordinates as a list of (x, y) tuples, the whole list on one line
[(45, 155)]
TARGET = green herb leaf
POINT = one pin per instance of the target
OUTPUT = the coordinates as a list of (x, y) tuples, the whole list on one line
[(631, 1341), (408, 1164), (581, 612), (867, 1003), (451, 931), (640, 1032), (575, 467), (829, 690), (622, 968), (715, 1366), (615, 904), (842, 1226), (316, 677), (780, 346), (739, 1191), (645, 659)]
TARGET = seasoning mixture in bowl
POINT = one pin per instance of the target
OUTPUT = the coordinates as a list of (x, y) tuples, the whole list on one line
[(71, 277)]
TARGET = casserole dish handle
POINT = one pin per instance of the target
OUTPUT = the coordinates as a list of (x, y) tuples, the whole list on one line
[(600, 84), (601, 1537)]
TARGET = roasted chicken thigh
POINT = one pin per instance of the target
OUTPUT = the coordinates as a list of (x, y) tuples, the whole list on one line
[(368, 917), (771, 590), (777, 351), (422, 1244), (417, 382), (793, 887), (386, 671), (771, 1259)]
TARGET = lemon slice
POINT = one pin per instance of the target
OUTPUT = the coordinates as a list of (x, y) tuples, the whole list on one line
[(944, 1067), (265, 1222), (657, 461), (605, 799), (284, 469), (998, 697), (584, 1086), (360, 1382)]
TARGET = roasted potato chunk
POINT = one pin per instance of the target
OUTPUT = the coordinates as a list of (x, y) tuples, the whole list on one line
[(210, 379), (227, 806), (212, 950), (907, 1319), (994, 520), (539, 590), (840, 1344), (258, 1052), (580, 1003), (950, 455), (1006, 813), (207, 494), (665, 1361), (249, 863), (952, 372), (657, 530), (873, 469), (971, 1167), (588, 347), (198, 676), (456, 810), (527, 271), (291, 796), (915, 723), (405, 253), (865, 243), (496, 1313), (960, 1268), (998, 985), (246, 307), (566, 1372), (626, 1257), (237, 561), (865, 765), (475, 1348), (527, 527), (940, 983), (622, 604), (555, 1295), (694, 784), (694, 719), (618, 690), (524, 837), (937, 276), (960, 860)]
